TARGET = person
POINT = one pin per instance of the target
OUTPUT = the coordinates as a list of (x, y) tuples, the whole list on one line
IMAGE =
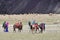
[(7, 27), (33, 22), (4, 25)]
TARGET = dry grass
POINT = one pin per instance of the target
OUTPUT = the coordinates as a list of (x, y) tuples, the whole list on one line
[(55, 18), (55, 35)]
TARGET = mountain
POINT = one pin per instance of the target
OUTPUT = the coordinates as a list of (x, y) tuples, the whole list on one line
[(29, 6)]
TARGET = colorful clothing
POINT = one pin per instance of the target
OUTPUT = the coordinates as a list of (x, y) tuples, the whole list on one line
[(33, 22), (6, 29)]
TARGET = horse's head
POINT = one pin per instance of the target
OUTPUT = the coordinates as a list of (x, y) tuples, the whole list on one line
[(20, 22)]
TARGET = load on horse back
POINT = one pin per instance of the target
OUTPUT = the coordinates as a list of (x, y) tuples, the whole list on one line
[(42, 27), (33, 26), (17, 25)]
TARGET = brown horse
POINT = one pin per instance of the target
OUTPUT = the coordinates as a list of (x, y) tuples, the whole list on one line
[(17, 25)]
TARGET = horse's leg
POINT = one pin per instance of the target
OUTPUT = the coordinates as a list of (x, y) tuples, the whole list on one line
[(14, 29), (38, 29), (35, 30), (42, 30), (32, 30), (19, 29)]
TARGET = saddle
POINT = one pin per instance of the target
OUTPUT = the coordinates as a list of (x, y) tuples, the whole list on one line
[(17, 24), (35, 25)]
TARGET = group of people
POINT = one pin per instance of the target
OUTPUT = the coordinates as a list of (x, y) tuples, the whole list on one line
[(33, 26)]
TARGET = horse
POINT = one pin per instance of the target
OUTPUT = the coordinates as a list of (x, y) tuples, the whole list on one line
[(33, 27), (18, 26), (42, 27), (37, 27)]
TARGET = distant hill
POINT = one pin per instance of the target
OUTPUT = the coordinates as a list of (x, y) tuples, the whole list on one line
[(29, 6)]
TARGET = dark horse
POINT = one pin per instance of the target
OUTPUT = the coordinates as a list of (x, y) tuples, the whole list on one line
[(17, 25), (42, 27)]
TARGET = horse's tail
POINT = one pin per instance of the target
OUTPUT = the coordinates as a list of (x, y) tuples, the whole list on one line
[(29, 23)]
